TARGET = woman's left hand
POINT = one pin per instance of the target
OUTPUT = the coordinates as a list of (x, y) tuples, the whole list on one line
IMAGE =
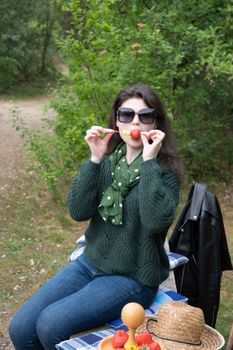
[(151, 149)]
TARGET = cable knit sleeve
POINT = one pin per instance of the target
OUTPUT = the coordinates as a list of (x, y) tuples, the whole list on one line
[(159, 188), (82, 199)]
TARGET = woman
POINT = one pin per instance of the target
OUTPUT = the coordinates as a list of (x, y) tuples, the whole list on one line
[(130, 198)]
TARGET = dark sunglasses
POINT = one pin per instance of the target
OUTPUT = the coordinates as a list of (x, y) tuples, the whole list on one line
[(145, 115)]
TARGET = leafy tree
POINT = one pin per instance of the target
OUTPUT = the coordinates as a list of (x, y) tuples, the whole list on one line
[(182, 48), (26, 31)]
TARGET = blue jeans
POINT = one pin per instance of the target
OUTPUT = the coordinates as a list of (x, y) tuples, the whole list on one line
[(77, 298)]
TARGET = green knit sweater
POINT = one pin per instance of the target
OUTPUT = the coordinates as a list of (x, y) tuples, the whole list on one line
[(135, 249)]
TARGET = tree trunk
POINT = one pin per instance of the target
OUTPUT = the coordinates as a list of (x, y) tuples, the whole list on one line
[(47, 37)]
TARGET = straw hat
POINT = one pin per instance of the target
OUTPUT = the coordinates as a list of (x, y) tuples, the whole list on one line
[(179, 326)]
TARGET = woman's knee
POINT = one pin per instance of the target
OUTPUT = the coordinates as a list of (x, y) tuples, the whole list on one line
[(19, 331), (14, 330), (48, 329)]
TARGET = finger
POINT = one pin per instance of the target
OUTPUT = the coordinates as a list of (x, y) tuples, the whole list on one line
[(99, 129), (110, 131), (107, 134), (157, 133), (156, 142), (107, 137), (103, 131), (90, 136), (93, 131), (157, 137), (161, 134), (146, 133), (144, 139)]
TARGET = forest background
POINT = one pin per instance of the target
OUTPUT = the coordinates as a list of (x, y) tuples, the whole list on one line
[(181, 48)]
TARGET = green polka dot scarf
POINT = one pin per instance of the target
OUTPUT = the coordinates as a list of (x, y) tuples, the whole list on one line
[(124, 177)]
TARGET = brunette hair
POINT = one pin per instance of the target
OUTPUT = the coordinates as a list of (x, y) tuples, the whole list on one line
[(168, 154)]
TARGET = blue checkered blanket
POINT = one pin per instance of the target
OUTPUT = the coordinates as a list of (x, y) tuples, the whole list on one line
[(88, 341)]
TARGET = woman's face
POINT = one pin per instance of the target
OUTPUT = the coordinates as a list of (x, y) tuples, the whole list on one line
[(137, 104)]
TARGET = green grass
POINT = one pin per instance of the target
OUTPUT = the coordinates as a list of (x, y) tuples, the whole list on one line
[(225, 319), (33, 243)]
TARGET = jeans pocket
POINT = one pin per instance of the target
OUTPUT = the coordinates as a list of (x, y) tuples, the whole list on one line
[(89, 267)]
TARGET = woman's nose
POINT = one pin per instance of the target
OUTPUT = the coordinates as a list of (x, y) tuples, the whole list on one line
[(136, 119)]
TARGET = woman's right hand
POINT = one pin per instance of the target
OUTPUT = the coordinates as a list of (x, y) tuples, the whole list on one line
[(98, 145)]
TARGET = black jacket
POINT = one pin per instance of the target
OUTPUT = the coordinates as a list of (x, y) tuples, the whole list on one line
[(200, 235)]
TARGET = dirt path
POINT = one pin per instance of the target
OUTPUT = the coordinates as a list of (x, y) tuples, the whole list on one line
[(13, 156)]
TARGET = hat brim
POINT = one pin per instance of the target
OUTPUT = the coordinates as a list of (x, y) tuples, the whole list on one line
[(210, 340)]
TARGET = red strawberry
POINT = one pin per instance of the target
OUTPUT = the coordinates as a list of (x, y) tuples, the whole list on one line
[(120, 338), (135, 134), (144, 338), (155, 346)]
